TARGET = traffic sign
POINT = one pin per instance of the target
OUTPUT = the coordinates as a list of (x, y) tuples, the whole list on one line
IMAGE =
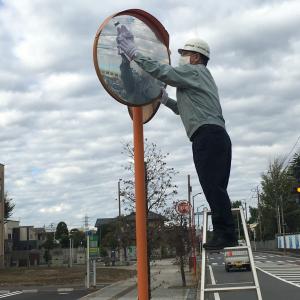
[(183, 207), (94, 250)]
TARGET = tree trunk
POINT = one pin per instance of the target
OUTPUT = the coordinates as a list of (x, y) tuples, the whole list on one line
[(182, 270)]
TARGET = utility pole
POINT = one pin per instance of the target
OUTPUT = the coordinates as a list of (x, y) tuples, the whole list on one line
[(246, 213), (278, 218), (189, 199), (119, 197), (283, 226), (86, 225), (259, 213), (2, 216)]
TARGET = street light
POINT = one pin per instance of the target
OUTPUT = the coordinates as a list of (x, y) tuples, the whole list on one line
[(194, 234), (198, 213), (194, 201), (194, 208)]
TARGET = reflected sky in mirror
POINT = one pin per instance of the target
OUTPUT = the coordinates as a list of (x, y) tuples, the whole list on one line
[(126, 79)]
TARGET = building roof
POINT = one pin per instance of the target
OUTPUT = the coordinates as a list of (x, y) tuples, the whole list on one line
[(152, 216), (104, 221)]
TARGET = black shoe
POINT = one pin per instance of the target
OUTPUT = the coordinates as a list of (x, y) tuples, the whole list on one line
[(219, 243)]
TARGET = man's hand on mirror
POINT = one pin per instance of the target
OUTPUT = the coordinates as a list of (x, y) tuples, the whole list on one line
[(124, 33), (125, 41), (128, 47)]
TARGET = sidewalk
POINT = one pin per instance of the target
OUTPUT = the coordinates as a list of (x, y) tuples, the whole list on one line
[(166, 283)]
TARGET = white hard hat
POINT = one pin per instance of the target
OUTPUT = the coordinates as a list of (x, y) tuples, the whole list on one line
[(196, 45)]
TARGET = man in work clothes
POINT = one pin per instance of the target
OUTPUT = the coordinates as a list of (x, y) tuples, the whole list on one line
[(199, 108)]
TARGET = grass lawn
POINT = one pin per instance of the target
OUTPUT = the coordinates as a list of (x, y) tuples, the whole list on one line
[(42, 276)]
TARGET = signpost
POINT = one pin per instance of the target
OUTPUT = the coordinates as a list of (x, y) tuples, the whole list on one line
[(184, 208), (93, 254)]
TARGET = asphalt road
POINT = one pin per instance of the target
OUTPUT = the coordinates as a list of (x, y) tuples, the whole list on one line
[(279, 277), (38, 295), (45, 293)]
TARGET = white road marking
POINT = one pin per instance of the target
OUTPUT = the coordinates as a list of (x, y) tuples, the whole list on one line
[(213, 281), (62, 290), (4, 291), (10, 294), (280, 275), (30, 291)]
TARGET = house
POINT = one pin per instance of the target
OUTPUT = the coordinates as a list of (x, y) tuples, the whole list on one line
[(8, 234), (22, 243), (155, 222)]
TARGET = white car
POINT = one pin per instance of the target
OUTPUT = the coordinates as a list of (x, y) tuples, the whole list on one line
[(237, 259)]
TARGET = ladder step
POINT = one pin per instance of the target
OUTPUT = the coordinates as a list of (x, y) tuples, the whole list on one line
[(229, 289), (235, 209), (236, 248)]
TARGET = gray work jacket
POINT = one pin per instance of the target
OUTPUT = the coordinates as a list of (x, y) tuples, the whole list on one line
[(197, 94)]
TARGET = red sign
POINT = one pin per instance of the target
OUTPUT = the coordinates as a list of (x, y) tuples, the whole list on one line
[(183, 207)]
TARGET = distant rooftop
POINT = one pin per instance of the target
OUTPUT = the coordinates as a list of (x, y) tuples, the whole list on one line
[(152, 216)]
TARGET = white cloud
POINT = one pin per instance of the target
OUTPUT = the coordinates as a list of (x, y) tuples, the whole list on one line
[(61, 133)]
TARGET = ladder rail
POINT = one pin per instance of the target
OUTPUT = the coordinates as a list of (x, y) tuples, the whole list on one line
[(203, 258), (256, 286), (253, 269)]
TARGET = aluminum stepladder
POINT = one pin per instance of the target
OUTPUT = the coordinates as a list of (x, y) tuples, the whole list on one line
[(256, 286)]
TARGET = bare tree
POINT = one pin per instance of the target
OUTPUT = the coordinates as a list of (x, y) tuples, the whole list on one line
[(158, 179)]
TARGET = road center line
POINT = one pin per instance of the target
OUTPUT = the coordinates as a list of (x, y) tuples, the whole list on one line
[(213, 281)]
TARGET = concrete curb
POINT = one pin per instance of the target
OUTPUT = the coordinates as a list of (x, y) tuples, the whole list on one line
[(119, 293)]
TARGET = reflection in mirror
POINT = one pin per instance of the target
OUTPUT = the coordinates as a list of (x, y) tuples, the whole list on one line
[(126, 80)]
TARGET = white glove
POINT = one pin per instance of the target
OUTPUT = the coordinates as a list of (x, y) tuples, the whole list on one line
[(124, 33), (125, 41), (164, 97)]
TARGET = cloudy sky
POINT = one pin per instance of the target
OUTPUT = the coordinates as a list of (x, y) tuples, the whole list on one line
[(61, 133)]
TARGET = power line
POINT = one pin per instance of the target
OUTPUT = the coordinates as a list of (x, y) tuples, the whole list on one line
[(286, 159)]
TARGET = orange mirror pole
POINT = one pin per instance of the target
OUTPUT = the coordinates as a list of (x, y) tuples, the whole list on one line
[(140, 200)]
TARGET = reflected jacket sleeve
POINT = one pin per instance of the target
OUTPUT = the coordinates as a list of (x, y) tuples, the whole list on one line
[(127, 76), (182, 76), (172, 104)]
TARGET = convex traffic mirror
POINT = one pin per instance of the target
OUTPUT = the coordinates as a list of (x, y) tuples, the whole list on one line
[(125, 81)]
